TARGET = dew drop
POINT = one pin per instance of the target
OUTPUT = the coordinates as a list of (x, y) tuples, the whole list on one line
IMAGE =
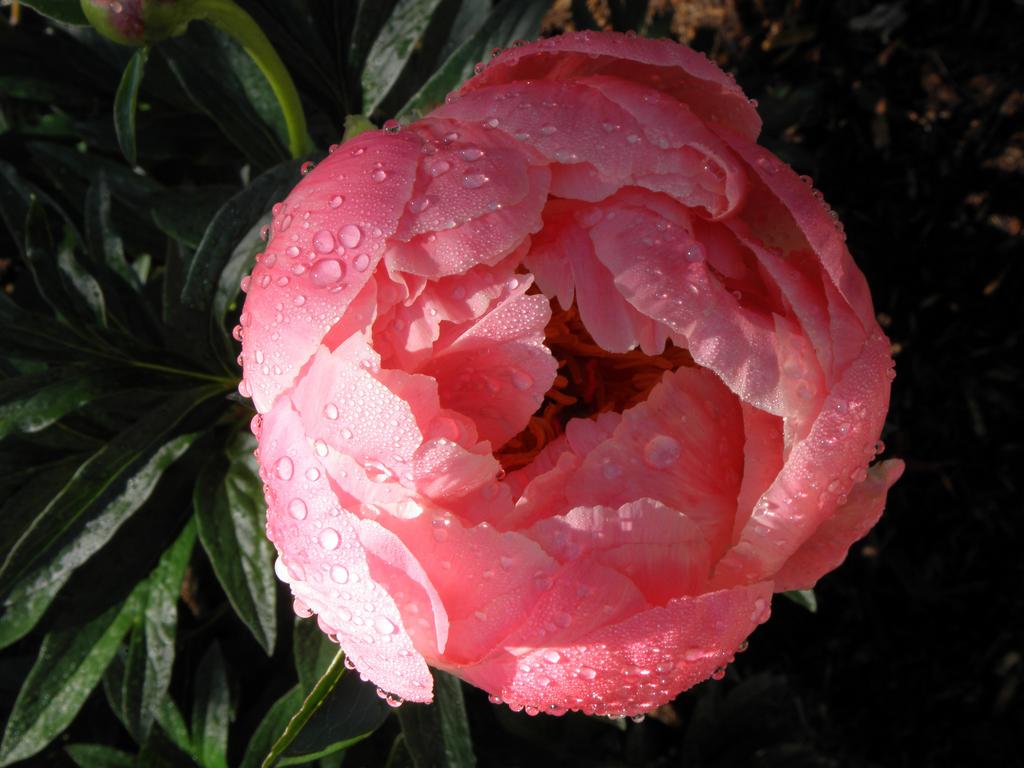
[(661, 451), (522, 381), (302, 610), (384, 625), (312, 474), (329, 539), (331, 411), (547, 130), (306, 167), (326, 272), (339, 574), (471, 154), (439, 168), (323, 241), (419, 204), (297, 509), (379, 174), (284, 468), (336, 201), (392, 126), (361, 262), (474, 180), (350, 235), (588, 673)]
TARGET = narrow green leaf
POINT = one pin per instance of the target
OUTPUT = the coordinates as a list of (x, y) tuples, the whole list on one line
[(398, 40), (470, 18), (236, 217), (184, 214), (173, 724), (313, 652), (438, 734), (157, 628), (126, 102), (30, 596), (310, 705), (109, 486), (99, 756), (192, 58), (271, 726), (510, 20), (105, 245), (211, 710), (71, 662), (231, 513), (805, 598), (34, 401), (399, 756), (68, 11), (349, 713), (225, 298), (370, 17)]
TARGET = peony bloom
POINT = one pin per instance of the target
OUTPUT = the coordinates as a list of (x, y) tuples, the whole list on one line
[(559, 384)]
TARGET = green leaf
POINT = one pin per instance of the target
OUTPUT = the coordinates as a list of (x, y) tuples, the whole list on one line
[(185, 213), (469, 19), (192, 58), (317, 698), (231, 513), (349, 713), (271, 726), (158, 627), (355, 125), (173, 724), (398, 40), (105, 245), (510, 20), (68, 288), (34, 401), (68, 11), (313, 652), (438, 734), (71, 662), (99, 756), (103, 493), (211, 710), (805, 598), (126, 102), (370, 17), (236, 217), (30, 596)]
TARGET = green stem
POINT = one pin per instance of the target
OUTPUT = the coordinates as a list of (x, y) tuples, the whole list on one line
[(232, 20), (222, 380)]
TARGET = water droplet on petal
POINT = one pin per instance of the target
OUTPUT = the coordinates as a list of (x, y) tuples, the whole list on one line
[(297, 509), (379, 174), (474, 180), (439, 168), (331, 411), (384, 626), (350, 235), (361, 262), (392, 126), (323, 241), (339, 574), (284, 468), (329, 539), (521, 380), (326, 272), (306, 167), (661, 451), (336, 201), (471, 154)]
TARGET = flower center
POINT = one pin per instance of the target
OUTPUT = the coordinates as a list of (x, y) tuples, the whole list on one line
[(590, 381)]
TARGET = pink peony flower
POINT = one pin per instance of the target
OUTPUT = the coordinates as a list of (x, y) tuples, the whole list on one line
[(559, 384)]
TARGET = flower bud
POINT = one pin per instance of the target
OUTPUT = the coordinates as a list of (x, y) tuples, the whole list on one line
[(138, 22)]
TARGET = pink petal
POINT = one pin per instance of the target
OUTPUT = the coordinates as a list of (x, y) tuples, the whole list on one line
[(826, 549), (628, 663), (820, 470), (294, 300), (674, 69), (325, 564), (497, 372), (659, 549)]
